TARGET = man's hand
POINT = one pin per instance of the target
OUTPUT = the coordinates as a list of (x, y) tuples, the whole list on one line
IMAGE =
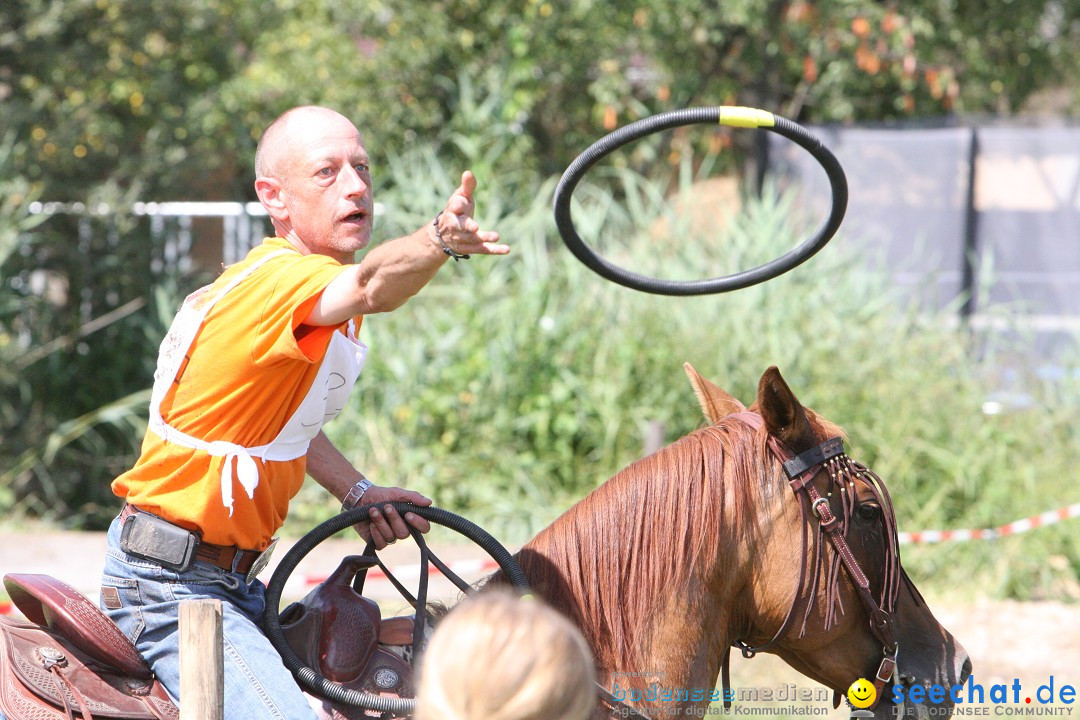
[(396, 270), (386, 525), (460, 231)]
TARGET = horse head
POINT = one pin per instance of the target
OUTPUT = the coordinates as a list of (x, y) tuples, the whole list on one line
[(800, 599)]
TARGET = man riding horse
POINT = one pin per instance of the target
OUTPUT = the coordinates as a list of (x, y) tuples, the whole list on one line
[(251, 369), (256, 363)]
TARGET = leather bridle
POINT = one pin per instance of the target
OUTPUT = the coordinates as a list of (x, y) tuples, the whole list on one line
[(801, 470)]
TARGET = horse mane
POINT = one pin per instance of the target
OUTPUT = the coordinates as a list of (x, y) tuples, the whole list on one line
[(615, 560), (611, 561)]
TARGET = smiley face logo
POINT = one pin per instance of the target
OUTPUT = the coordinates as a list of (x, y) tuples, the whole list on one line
[(861, 694)]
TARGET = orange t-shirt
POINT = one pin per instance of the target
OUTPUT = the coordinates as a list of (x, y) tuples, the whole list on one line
[(249, 368)]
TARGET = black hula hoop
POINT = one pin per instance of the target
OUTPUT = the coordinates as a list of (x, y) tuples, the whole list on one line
[(732, 117)]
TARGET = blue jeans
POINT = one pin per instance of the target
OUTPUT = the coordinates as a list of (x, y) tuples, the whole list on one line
[(257, 684)]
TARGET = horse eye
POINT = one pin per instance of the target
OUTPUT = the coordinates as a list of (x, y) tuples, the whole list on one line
[(869, 511)]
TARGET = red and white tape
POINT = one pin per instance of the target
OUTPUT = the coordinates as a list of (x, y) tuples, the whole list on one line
[(1014, 528), (473, 569)]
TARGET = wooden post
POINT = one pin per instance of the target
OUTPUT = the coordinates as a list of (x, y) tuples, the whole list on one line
[(202, 665)]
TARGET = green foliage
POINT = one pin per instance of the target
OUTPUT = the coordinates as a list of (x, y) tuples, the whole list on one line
[(511, 387), (120, 101), (77, 344), (16, 194), (566, 70), (117, 98), (861, 61)]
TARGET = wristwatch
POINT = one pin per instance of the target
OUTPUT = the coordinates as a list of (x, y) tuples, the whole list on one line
[(356, 492)]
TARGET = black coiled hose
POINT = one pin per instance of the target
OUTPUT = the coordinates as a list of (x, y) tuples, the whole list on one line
[(310, 678), (731, 116)]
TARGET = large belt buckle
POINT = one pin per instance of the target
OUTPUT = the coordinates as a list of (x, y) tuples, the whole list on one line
[(260, 562)]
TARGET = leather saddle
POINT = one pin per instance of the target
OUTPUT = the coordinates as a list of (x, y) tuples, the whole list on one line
[(336, 631), (70, 660)]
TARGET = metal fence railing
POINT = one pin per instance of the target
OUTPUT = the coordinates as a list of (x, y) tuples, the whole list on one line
[(242, 225)]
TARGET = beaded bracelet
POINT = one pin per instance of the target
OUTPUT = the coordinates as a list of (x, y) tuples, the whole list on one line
[(446, 248)]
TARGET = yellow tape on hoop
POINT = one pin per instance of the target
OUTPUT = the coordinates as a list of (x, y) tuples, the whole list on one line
[(746, 117)]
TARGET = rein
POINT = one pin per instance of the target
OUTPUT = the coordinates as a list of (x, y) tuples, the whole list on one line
[(616, 706), (801, 471)]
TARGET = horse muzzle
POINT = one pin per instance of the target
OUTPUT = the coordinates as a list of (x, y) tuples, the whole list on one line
[(931, 701)]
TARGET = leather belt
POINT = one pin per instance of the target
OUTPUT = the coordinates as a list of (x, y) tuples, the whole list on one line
[(226, 557)]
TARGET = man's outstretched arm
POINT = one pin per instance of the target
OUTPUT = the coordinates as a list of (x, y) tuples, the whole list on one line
[(395, 271)]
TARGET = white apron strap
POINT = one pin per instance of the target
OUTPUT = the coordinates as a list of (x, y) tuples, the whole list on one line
[(174, 348)]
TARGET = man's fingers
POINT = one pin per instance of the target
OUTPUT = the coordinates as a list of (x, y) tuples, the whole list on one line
[(484, 248), (465, 235), (380, 527), (398, 528), (380, 539), (483, 242), (372, 535), (496, 249), (386, 526), (417, 522), (416, 498), (460, 207), (461, 200), (467, 186)]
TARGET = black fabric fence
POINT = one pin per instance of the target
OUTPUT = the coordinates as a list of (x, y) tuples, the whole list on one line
[(983, 220)]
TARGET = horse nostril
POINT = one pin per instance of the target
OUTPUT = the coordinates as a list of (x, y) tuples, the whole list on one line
[(907, 680), (965, 671)]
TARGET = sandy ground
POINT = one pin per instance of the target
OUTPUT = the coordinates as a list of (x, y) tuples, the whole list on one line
[(1006, 640)]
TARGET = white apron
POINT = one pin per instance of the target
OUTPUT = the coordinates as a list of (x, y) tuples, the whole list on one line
[(337, 374)]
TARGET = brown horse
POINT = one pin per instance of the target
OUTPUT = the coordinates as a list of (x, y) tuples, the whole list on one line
[(701, 546), (695, 548)]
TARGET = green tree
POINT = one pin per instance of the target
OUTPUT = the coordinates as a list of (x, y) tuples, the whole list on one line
[(16, 195), (120, 98), (123, 99), (116, 100), (76, 351), (565, 71)]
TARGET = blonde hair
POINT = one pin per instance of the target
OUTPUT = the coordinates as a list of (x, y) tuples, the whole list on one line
[(500, 657)]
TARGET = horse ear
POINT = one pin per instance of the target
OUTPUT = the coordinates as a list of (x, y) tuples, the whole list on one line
[(784, 415), (715, 402)]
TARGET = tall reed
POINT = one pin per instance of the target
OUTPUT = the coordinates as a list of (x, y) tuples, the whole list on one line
[(511, 387)]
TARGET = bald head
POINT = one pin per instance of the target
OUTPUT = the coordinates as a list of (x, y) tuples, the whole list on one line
[(292, 125), (312, 177)]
